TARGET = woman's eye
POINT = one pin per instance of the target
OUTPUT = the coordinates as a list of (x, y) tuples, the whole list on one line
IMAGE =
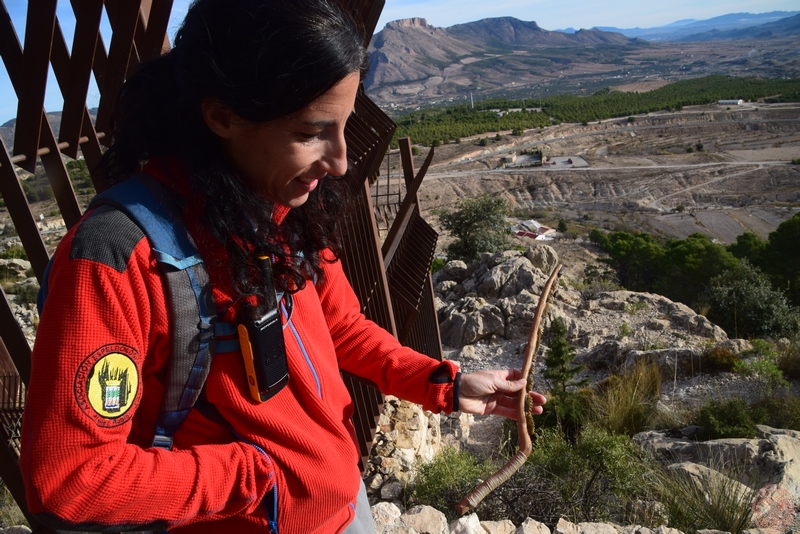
[(308, 136)]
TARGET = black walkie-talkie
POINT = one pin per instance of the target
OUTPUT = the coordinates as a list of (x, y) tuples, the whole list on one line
[(261, 340)]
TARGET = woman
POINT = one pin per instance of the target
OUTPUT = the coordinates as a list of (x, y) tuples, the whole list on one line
[(244, 121)]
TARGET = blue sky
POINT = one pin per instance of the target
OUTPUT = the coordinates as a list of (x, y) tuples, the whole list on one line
[(442, 13)]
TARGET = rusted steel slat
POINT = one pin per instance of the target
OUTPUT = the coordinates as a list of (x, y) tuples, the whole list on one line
[(88, 14), (92, 153), (428, 324), (100, 61), (376, 120), (364, 262), (59, 177), (14, 347), (20, 211), (124, 18), (407, 160), (38, 36), (156, 14), (7, 367), (10, 49), (364, 418), (12, 391), (395, 236), (48, 146), (373, 14), (408, 205), (12, 477)]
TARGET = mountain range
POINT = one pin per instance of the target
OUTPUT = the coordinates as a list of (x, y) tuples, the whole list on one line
[(730, 26), (414, 63)]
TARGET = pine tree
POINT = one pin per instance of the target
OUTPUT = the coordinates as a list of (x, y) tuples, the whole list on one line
[(566, 404), (560, 371)]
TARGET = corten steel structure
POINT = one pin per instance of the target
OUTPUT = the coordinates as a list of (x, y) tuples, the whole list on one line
[(391, 278)]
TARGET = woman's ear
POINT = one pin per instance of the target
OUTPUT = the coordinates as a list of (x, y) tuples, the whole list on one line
[(220, 118)]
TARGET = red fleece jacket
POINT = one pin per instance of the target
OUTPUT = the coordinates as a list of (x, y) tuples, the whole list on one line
[(86, 458)]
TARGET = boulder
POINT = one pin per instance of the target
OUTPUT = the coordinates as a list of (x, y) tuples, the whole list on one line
[(543, 257), (597, 528), (14, 268), (565, 527), (774, 458), (455, 271), (425, 520), (499, 527), (467, 525), (508, 278), (606, 355), (385, 515), (687, 360), (531, 526), (474, 319)]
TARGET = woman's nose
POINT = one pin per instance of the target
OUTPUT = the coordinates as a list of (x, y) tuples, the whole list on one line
[(335, 158)]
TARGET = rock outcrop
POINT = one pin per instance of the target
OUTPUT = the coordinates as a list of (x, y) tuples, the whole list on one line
[(495, 299)]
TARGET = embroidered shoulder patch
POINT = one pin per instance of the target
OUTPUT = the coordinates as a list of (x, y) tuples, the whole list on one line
[(107, 385)]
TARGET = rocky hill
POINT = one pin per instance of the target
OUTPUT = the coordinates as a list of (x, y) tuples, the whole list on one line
[(485, 310), (512, 32), (410, 57), (415, 64)]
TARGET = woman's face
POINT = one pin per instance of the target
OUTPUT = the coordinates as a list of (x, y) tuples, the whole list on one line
[(284, 159)]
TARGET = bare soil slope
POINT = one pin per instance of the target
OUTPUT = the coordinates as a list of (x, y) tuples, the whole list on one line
[(641, 175)]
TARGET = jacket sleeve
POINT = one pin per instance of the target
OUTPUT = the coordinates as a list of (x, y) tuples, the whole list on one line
[(102, 339), (368, 351)]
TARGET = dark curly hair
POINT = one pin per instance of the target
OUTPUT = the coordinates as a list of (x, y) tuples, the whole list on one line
[(264, 59)]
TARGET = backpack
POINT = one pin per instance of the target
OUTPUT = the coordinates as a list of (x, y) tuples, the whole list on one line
[(190, 304)]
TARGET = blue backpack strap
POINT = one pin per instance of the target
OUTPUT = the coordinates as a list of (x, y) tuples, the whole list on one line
[(190, 302)]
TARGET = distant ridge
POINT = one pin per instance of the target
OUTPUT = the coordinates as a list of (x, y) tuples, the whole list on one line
[(510, 31), (785, 27), (681, 30)]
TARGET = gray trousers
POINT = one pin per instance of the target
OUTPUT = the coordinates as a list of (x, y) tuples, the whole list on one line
[(362, 522)]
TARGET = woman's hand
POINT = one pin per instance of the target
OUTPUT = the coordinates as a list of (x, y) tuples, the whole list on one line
[(494, 392)]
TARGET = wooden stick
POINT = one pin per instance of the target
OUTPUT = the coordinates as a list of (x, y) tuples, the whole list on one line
[(523, 409)]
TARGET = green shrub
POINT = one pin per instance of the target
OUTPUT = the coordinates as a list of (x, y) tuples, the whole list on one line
[(10, 514), (779, 411), (597, 279), (763, 365), (632, 308), (447, 479), (26, 294), (437, 264), (624, 330), (625, 404), (746, 305), (720, 359), (716, 501), (727, 419), (789, 360), (477, 225), (14, 251), (591, 480)]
